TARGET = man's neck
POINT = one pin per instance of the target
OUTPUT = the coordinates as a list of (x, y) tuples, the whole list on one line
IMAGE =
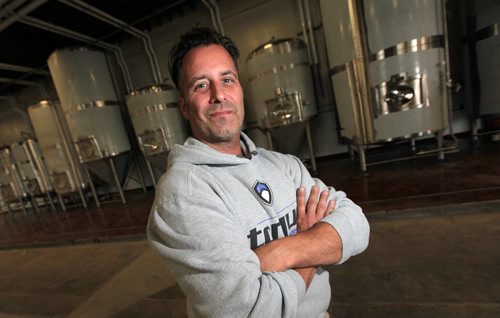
[(231, 147)]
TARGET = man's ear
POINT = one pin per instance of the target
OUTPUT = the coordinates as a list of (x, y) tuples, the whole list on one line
[(183, 108)]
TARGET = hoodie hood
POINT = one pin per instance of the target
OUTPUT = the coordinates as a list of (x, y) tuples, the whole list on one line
[(196, 152)]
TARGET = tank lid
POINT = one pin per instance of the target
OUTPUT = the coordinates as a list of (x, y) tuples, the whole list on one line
[(285, 45), (74, 49), (42, 103), (149, 89)]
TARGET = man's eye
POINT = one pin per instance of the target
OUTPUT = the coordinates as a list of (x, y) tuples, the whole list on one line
[(200, 85), (228, 80)]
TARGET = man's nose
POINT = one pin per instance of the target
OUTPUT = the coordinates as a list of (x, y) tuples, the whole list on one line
[(216, 93)]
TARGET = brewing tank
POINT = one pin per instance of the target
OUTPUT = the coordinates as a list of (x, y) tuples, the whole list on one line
[(387, 67), (89, 101), (14, 127), (281, 84), (157, 120), (11, 186), (62, 165), (30, 165), (485, 44)]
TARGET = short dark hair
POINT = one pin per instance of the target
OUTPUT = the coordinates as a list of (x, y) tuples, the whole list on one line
[(197, 37)]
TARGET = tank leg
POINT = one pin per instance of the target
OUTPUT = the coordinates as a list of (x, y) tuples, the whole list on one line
[(311, 148), (439, 137), (94, 193), (362, 158), (413, 146), (139, 172), (82, 197), (473, 123), (269, 140), (151, 173), (51, 202), (61, 202), (352, 155), (21, 202), (35, 205), (117, 181)]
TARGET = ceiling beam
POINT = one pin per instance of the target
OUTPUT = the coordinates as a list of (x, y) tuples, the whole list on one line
[(23, 69)]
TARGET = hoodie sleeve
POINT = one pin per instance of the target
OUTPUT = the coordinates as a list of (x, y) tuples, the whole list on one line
[(208, 253), (347, 218)]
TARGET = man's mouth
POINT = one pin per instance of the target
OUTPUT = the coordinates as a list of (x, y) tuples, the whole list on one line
[(221, 113)]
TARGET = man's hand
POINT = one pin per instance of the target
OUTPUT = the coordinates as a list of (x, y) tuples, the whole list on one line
[(307, 216), (315, 210)]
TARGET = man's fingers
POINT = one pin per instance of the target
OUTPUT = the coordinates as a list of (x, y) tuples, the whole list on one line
[(312, 202), (317, 207), (321, 207), (301, 201), (330, 207)]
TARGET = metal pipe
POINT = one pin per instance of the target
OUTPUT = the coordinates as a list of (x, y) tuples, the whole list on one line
[(311, 146), (217, 16), (10, 8), (92, 187), (105, 17), (38, 165), (18, 82), (123, 66), (212, 14), (117, 181), (312, 40), (21, 13), (43, 90), (23, 69), (447, 72), (361, 60), (151, 172), (304, 31)]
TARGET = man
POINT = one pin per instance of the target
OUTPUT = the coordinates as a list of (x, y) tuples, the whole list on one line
[(228, 218)]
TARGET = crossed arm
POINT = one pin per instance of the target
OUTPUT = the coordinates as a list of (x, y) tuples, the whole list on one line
[(317, 243)]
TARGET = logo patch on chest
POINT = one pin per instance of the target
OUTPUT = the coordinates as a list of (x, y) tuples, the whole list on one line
[(264, 192)]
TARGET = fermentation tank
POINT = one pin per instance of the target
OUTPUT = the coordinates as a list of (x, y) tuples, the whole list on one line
[(31, 166), (89, 101), (281, 84), (158, 123), (481, 64), (11, 187), (487, 44), (64, 170), (14, 127), (282, 93), (388, 67), (156, 117)]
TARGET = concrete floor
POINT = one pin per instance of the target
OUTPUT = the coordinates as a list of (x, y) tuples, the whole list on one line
[(433, 250)]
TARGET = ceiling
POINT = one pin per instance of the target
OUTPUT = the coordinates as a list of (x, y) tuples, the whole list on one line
[(30, 30)]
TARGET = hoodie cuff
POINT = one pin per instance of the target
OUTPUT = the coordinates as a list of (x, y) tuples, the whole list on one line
[(342, 225)]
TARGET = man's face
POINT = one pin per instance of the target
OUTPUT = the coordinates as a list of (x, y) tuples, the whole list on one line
[(211, 97)]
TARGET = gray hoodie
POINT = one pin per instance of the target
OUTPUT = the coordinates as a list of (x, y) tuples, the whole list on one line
[(211, 209)]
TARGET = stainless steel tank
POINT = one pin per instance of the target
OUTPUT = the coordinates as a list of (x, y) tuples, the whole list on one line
[(484, 41), (31, 167), (89, 101), (388, 68), (11, 186), (14, 127), (157, 120), (281, 84), (65, 171)]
